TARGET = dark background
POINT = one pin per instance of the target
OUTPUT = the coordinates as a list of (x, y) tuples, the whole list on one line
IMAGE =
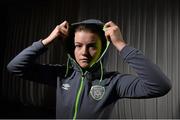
[(153, 26)]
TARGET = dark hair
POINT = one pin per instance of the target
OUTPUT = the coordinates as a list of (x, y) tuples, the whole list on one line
[(93, 28), (89, 28)]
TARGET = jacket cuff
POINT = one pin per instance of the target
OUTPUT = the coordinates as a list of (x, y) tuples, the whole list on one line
[(126, 51), (39, 46)]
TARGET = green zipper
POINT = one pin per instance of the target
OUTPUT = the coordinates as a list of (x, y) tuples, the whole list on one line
[(78, 97), (80, 89), (82, 79)]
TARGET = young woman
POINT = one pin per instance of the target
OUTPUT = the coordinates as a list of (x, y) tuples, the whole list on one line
[(84, 88)]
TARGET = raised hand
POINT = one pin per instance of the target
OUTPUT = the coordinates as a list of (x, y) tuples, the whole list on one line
[(59, 31), (113, 34)]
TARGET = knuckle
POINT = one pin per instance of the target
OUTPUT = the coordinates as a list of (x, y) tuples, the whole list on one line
[(116, 27), (113, 29)]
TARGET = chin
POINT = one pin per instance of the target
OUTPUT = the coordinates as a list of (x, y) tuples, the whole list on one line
[(84, 66)]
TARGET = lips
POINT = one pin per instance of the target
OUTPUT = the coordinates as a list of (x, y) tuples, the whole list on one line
[(84, 60)]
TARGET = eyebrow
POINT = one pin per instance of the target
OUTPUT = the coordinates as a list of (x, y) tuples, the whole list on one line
[(93, 42), (78, 43)]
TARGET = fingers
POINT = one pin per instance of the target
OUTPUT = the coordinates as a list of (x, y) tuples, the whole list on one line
[(63, 29), (109, 24), (64, 32), (110, 28), (64, 26), (112, 31)]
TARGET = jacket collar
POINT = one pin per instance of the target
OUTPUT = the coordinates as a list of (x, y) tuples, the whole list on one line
[(93, 72)]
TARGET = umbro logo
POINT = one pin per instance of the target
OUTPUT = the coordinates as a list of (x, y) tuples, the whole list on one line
[(65, 86)]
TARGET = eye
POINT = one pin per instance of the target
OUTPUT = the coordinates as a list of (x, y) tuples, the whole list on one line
[(77, 46), (93, 46)]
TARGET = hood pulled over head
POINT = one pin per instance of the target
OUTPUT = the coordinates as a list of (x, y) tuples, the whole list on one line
[(93, 24)]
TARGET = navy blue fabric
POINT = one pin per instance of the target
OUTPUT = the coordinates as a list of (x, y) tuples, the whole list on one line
[(149, 81)]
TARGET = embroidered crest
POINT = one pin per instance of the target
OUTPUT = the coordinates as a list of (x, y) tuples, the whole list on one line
[(97, 92)]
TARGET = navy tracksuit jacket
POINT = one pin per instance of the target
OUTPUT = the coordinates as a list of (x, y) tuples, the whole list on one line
[(149, 82)]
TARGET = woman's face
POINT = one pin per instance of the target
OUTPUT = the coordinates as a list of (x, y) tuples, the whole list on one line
[(87, 48)]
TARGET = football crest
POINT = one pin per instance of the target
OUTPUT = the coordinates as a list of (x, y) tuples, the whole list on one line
[(97, 92)]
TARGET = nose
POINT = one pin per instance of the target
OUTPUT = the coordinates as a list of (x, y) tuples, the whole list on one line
[(85, 50)]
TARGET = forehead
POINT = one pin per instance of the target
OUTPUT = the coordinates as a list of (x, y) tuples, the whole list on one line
[(85, 36)]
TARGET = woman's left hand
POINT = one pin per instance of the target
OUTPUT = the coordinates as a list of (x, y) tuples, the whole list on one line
[(113, 34)]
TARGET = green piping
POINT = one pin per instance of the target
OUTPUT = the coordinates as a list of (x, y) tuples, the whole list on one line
[(69, 57), (101, 72), (77, 99), (82, 78), (107, 45)]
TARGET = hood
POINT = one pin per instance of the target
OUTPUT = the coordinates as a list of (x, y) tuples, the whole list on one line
[(97, 24)]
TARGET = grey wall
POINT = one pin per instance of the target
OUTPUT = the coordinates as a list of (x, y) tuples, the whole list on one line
[(153, 26)]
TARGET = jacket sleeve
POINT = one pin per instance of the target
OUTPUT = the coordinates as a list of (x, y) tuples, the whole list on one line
[(24, 66), (149, 82)]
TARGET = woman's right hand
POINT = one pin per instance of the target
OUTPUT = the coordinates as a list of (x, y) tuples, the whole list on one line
[(60, 31)]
